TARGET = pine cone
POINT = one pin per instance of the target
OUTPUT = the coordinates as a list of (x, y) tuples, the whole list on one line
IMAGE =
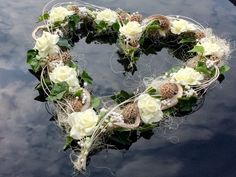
[(199, 34), (73, 8), (77, 105), (66, 57), (136, 17), (164, 22), (53, 58), (130, 111), (168, 90)]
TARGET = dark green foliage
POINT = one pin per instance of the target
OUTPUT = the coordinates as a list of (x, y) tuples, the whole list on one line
[(58, 91), (33, 60), (43, 17), (122, 96), (69, 140), (86, 77), (96, 101)]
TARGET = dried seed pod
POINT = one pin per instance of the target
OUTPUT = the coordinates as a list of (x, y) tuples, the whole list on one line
[(168, 90), (215, 59), (73, 8), (136, 17), (123, 15), (132, 117), (199, 34), (164, 22), (174, 100), (54, 58), (77, 105), (130, 111), (66, 57)]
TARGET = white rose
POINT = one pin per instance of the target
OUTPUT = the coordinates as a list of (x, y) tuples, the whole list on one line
[(47, 44), (107, 16), (188, 76), (132, 30), (58, 14), (150, 109), (65, 74), (82, 123), (214, 45), (211, 48), (179, 26)]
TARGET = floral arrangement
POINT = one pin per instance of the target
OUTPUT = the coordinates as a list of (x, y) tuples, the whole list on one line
[(83, 116)]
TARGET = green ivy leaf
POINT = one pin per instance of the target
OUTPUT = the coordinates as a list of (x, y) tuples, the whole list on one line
[(146, 127), (73, 64), (202, 68), (69, 140), (187, 40), (122, 96), (153, 92), (102, 26), (64, 43), (73, 22), (43, 17), (33, 60), (116, 26), (224, 69), (153, 28), (79, 92), (58, 91), (142, 39), (96, 101), (57, 24), (86, 77), (198, 49), (186, 103)]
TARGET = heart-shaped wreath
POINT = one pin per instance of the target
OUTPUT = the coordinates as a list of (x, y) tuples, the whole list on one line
[(88, 122)]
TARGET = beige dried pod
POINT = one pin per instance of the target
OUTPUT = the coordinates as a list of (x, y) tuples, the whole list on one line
[(136, 17), (130, 111), (199, 34), (164, 22), (64, 56), (77, 105), (131, 116), (73, 8), (171, 102), (168, 90)]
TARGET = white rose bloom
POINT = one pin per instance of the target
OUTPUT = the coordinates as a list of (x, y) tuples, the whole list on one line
[(58, 14), (65, 74), (82, 123), (150, 109), (188, 76), (214, 45), (47, 44), (107, 16), (179, 26), (211, 47), (132, 30)]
